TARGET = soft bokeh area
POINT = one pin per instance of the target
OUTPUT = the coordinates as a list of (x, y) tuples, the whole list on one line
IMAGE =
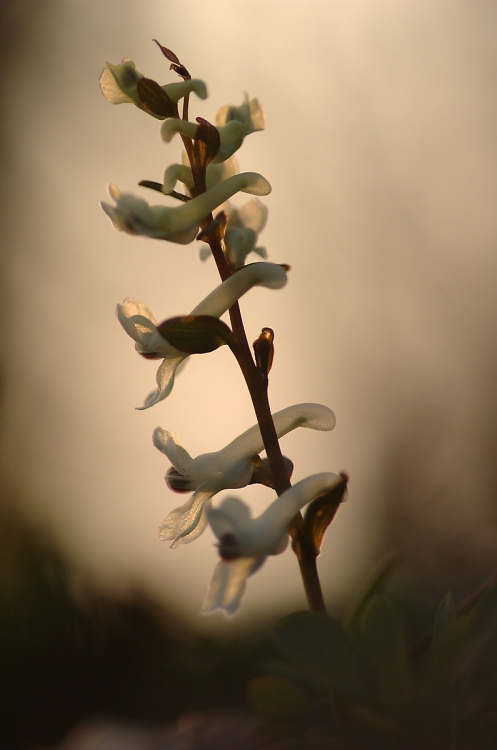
[(381, 150)]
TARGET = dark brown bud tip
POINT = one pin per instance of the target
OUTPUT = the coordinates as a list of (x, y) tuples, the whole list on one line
[(264, 351)]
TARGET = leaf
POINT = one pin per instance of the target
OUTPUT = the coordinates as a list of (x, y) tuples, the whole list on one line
[(374, 585), (478, 637), (384, 645), (443, 641), (155, 100), (277, 699), (318, 646), (196, 334), (206, 144)]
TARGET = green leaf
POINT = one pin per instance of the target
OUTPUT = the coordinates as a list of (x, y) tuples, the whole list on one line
[(155, 100), (196, 334), (374, 585), (278, 699), (319, 648), (444, 631), (478, 636), (384, 646)]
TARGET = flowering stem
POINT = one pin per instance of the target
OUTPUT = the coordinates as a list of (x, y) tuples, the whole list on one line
[(257, 386)]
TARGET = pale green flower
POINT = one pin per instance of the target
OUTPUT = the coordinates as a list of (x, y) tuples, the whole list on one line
[(119, 85), (230, 468), (233, 124), (140, 323), (244, 542), (179, 223), (215, 174)]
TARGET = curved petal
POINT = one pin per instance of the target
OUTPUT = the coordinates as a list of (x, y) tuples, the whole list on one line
[(172, 448), (174, 125), (269, 275), (312, 416), (137, 319), (196, 209), (271, 527), (179, 89), (186, 523), (251, 113), (177, 173), (228, 584), (252, 215), (118, 83), (232, 517), (165, 378)]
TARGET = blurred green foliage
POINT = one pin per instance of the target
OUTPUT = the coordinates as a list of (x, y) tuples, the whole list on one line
[(356, 684), (71, 652)]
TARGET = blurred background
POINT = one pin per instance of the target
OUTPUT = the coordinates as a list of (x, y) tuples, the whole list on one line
[(381, 148)]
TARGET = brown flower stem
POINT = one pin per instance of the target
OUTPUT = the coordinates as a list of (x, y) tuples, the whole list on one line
[(312, 584), (257, 387)]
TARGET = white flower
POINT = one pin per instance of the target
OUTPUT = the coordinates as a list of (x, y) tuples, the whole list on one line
[(233, 124), (242, 230), (179, 223), (244, 543), (140, 323), (119, 85), (229, 468), (215, 173), (250, 113)]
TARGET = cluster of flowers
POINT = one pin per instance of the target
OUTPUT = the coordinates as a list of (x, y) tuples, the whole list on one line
[(243, 542)]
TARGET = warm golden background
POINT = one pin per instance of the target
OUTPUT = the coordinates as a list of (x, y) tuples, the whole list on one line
[(381, 150)]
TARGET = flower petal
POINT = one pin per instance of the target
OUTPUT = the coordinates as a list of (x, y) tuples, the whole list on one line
[(172, 448), (232, 517), (137, 319), (269, 275), (179, 89), (118, 82), (312, 416), (186, 523), (165, 378), (228, 584), (251, 113), (271, 527)]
